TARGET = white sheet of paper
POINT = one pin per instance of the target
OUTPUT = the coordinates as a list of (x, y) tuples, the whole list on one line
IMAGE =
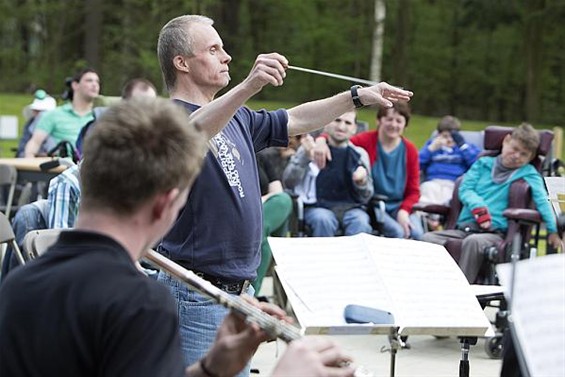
[(556, 191), (418, 282), (538, 311)]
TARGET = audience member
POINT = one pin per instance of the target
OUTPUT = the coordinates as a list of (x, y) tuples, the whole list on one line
[(218, 233), (335, 196), (41, 103), (64, 122), (484, 195), (394, 168), (132, 330), (443, 159)]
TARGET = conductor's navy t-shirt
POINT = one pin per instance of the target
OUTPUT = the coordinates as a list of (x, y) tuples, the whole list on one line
[(219, 230)]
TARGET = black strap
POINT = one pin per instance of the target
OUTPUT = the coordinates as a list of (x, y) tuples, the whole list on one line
[(355, 96)]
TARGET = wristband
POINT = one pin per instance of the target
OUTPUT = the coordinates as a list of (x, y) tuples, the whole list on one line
[(355, 96), (481, 215)]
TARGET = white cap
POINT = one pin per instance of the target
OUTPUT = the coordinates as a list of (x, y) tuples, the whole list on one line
[(42, 104)]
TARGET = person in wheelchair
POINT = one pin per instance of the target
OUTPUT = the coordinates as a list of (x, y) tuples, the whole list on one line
[(337, 194), (444, 158), (484, 194)]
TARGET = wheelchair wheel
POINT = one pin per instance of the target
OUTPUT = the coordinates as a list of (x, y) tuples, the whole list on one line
[(493, 347)]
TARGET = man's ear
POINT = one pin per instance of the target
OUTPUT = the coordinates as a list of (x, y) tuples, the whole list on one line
[(163, 203), (181, 64), (74, 85)]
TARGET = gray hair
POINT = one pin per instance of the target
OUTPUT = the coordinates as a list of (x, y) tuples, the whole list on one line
[(175, 39)]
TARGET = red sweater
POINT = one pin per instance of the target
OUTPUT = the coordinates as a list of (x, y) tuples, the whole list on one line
[(368, 141)]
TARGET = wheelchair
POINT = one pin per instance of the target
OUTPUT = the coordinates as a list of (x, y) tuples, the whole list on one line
[(522, 220)]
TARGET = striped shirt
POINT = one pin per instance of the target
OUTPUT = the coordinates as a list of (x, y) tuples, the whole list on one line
[(64, 198)]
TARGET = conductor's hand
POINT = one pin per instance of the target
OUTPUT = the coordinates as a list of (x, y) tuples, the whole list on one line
[(322, 152), (268, 69), (237, 340), (383, 94), (313, 356), (360, 176)]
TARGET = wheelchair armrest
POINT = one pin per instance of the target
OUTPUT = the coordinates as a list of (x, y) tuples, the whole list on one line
[(523, 215), (431, 208), (378, 198)]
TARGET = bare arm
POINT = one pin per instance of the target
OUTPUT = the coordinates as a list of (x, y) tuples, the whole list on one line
[(268, 69), (313, 115), (33, 145)]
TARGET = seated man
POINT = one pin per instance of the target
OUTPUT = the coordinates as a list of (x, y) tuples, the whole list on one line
[(94, 314), (64, 122), (443, 159), (337, 194), (484, 196)]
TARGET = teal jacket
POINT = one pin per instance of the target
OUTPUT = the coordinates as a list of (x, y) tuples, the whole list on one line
[(479, 190)]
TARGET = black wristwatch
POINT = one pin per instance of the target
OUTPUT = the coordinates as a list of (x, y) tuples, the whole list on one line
[(355, 96)]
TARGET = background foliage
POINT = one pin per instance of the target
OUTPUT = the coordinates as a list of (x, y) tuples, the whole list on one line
[(492, 60)]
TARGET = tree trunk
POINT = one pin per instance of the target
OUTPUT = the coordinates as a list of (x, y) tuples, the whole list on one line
[(399, 58), (533, 50), (378, 38), (92, 32)]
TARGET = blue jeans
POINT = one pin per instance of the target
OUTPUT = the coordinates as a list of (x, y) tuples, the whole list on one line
[(392, 229), (324, 223), (199, 319)]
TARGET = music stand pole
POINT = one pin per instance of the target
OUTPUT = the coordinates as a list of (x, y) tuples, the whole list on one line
[(395, 345), (516, 246)]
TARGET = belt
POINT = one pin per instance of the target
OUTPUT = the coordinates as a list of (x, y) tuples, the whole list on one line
[(232, 287)]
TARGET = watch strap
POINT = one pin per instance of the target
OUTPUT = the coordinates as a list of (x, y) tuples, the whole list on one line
[(355, 96)]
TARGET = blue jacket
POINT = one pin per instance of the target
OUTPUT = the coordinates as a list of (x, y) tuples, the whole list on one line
[(447, 163)]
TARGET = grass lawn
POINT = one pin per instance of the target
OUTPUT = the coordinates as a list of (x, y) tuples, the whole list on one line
[(418, 131)]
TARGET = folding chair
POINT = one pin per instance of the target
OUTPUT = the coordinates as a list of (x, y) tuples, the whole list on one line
[(36, 242), (8, 179), (7, 237)]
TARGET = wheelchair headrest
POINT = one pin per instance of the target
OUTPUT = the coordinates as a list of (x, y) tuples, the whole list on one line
[(494, 135)]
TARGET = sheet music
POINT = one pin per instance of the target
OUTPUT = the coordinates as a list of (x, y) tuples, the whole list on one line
[(327, 274), (538, 311), (428, 288), (418, 282), (556, 191)]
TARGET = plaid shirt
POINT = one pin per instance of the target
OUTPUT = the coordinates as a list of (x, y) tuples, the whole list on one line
[(64, 199)]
